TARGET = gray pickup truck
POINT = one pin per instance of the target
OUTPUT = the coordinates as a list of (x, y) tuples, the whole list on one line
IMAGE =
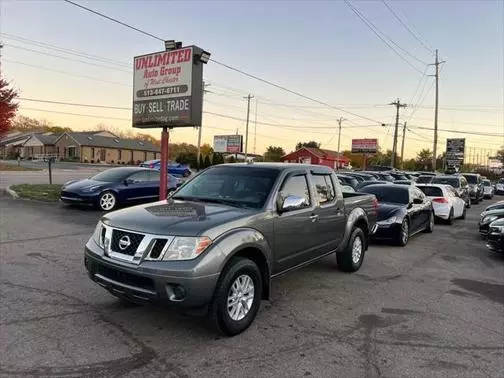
[(217, 242)]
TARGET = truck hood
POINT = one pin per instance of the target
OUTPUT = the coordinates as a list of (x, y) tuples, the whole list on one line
[(175, 217)]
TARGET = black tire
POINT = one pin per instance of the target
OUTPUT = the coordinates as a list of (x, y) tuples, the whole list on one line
[(402, 238), (430, 226), (218, 311), (345, 258), (101, 198), (449, 221), (464, 213)]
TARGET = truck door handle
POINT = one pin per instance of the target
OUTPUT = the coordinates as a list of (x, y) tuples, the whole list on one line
[(314, 217)]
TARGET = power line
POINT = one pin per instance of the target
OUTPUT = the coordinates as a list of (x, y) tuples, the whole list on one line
[(76, 114), (66, 58), (379, 34), (74, 104), (114, 20), (66, 50), (65, 73), (228, 66), (407, 28)]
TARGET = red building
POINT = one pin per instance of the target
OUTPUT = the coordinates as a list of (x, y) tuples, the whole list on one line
[(318, 156)]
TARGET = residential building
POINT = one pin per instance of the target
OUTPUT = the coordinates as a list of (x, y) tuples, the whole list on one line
[(317, 156)]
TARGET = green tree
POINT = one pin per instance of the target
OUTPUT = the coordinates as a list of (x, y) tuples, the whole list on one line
[(311, 143), (206, 149), (273, 153), (500, 155), (187, 158), (424, 160), (207, 163), (217, 158), (232, 159)]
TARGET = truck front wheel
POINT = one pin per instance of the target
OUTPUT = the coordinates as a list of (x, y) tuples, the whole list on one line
[(237, 297), (351, 258)]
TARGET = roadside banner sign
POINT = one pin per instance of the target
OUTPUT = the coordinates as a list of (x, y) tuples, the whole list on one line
[(168, 88), (228, 143), (366, 146), (455, 149)]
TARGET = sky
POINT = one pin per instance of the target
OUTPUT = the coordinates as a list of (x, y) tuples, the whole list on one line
[(320, 49)]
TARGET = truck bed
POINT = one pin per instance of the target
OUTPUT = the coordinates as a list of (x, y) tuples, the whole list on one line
[(366, 202)]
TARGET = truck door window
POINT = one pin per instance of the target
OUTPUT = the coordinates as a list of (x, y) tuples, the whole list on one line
[(297, 186), (324, 188)]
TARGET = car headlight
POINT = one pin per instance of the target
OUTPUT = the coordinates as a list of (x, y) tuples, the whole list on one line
[(494, 228), (98, 234), (489, 218), (186, 248), (394, 219), (91, 188)]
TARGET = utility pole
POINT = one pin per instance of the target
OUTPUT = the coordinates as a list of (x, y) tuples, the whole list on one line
[(402, 145), (436, 108), (255, 125), (340, 119), (249, 97), (199, 129), (398, 105)]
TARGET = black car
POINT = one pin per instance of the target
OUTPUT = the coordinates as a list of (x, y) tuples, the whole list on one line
[(348, 180), (495, 238), (495, 206), (404, 182), (361, 176), (382, 176), (402, 212), (116, 186), (459, 183), (398, 176), (367, 183), (486, 218), (476, 189)]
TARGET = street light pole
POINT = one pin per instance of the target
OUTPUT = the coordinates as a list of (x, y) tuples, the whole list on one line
[(340, 120)]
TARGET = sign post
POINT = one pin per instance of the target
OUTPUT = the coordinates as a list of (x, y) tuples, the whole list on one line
[(168, 93), (228, 143), (455, 150), (366, 147)]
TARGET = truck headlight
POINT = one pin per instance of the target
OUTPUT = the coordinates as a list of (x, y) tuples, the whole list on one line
[(186, 248), (489, 218), (98, 234), (394, 219)]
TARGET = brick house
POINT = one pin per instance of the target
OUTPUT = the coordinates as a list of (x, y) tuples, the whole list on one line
[(39, 144), (104, 147), (317, 156)]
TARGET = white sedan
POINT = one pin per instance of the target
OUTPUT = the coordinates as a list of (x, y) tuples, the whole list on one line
[(446, 201)]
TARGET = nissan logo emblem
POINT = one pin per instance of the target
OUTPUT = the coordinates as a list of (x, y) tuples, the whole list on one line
[(124, 242)]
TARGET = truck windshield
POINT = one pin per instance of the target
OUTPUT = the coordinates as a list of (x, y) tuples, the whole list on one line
[(388, 193), (239, 186), (453, 181), (471, 179)]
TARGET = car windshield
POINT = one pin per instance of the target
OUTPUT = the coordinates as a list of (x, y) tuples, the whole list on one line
[(471, 179), (112, 175), (486, 183), (236, 186), (453, 181), (388, 193), (424, 179), (501, 181), (431, 191)]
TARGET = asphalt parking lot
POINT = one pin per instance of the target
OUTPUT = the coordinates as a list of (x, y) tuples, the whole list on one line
[(432, 309)]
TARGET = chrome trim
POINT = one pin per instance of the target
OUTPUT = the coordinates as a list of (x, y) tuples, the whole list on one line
[(143, 250)]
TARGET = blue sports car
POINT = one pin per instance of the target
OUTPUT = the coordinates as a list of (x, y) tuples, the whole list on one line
[(176, 169), (116, 186)]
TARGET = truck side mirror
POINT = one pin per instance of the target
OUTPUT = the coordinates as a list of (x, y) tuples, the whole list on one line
[(291, 203)]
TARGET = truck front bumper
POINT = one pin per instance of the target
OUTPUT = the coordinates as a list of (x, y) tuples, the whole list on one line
[(156, 282)]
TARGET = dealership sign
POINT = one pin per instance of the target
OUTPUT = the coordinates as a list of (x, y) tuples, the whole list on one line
[(366, 146), (455, 149), (167, 88), (228, 143)]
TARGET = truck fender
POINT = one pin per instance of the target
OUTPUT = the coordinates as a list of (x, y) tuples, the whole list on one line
[(357, 215), (249, 243)]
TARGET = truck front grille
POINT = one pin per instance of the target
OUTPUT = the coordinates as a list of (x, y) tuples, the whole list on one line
[(123, 277), (125, 242)]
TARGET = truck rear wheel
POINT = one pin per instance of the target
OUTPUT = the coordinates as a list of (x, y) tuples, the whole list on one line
[(237, 297), (351, 258)]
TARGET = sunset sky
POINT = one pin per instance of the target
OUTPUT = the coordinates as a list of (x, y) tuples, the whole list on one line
[(320, 49)]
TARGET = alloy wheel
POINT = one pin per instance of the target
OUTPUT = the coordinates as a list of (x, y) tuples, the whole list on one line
[(240, 297), (356, 250), (107, 201)]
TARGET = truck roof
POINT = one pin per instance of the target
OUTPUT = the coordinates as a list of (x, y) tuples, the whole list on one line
[(279, 166)]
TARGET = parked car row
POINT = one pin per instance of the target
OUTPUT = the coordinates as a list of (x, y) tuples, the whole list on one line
[(491, 226)]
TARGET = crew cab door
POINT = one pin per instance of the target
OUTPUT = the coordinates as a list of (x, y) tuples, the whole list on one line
[(294, 229), (330, 212)]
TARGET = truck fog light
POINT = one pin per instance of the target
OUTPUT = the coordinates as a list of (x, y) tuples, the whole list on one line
[(175, 292)]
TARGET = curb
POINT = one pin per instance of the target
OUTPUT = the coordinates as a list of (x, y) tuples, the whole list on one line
[(11, 192)]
